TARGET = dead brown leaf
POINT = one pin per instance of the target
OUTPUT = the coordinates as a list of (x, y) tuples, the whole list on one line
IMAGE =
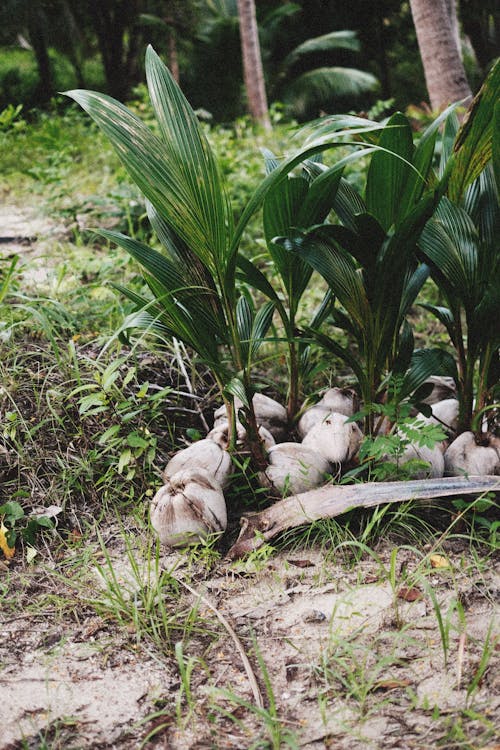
[(410, 594), (301, 563), (391, 684)]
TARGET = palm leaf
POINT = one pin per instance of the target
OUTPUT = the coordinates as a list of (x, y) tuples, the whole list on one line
[(473, 146), (389, 172), (190, 154), (339, 271), (449, 242), (322, 85), (424, 363), (348, 204), (192, 209), (335, 40)]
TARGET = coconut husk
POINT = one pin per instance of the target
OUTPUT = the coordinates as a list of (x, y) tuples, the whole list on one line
[(204, 454), (432, 456), (334, 438), (341, 400), (443, 388), (465, 456), (269, 414), (188, 508), (294, 468), (220, 435)]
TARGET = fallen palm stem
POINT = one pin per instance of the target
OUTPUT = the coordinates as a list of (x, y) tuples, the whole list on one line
[(333, 500)]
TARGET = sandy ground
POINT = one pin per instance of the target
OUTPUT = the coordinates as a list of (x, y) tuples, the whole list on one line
[(350, 663)]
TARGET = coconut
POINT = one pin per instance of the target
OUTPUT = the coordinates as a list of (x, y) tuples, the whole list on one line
[(444, 413), (268, 413), (311, 417), (334, 438), (433, 456), (204, 454), (443, 388), (465, 456), (294, 468), (188, 508), (220, 435), (340, 400)]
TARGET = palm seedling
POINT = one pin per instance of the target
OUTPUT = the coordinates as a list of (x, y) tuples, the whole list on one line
[(194, 294), (369, 262), (460, 244)]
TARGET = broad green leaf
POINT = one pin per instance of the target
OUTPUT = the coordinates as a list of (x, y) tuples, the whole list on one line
[(449, 242), (280, 174), (427, 362), (496, 144), (473, 145), (320, 197), (390, 171), (335, 40)]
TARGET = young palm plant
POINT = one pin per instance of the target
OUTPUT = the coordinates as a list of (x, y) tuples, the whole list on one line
[(194, 295), (369, 261), (193, 280), (460, 244)]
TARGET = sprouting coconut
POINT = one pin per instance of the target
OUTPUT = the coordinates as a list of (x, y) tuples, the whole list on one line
[(444, 413), (205, 455), (188, 508), (335, 438), (466, 456), (268, 413), (443, 388), (311, 417), (220, 435), (339, 400), (432, 456), (294, 468)]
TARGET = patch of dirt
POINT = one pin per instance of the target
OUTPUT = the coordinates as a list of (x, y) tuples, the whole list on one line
[(345, 659), (25, 233)]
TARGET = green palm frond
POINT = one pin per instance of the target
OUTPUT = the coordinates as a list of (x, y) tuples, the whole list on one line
[(321, 86), (332, 42)]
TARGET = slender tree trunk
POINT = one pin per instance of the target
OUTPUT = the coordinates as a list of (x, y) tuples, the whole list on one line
[(481, 23), (38, 38), (444, 71), (173, 58), (118, 43), (252, 63), (451, 8)]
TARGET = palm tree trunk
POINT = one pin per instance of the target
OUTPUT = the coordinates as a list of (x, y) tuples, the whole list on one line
[(444, 71), (252, 63)]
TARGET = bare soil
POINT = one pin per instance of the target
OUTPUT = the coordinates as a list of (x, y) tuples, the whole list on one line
[(349, 660)]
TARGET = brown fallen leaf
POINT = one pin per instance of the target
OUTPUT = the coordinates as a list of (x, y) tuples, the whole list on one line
[(301, 563), (439, 561), (391, 684), (410, 594)]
